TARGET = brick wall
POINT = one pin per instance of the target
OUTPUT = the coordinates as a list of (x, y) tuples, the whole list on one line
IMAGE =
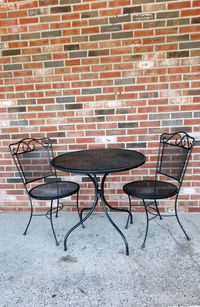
[(95, 74)]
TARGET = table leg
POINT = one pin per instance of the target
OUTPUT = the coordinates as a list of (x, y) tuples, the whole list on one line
[(98, 193), (81, 221), (109, 206), (104, 204)]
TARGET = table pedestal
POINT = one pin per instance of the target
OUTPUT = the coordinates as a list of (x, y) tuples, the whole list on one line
[(99, 193)]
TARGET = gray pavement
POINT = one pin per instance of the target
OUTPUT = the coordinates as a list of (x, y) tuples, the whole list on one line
[(95, 271)]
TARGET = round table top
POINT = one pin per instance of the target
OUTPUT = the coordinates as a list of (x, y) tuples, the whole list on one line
[(97, 161)]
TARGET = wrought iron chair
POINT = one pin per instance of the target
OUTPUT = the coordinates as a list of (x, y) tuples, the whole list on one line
[(32, 158), (173, 157)]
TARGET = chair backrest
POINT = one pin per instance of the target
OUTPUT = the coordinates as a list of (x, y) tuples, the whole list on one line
[(32, 158), (174, 154)]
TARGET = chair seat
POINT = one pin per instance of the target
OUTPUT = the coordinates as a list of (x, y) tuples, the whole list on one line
[(54, 190), (150, 189)]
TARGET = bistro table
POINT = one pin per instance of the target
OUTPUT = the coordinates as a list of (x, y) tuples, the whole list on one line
[(92, 162)]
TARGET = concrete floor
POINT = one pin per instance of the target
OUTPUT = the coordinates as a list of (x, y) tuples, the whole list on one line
[(95, 271)]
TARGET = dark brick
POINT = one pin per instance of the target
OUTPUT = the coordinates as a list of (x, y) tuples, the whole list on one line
[(60, 9), (104, 112), (121, 111), (118, 35), (195, 20), (41, 57), (177, 54), (131, 10), (181, 21), (181, 115), (77, 54), (145, 95), (99, 37), (11, 52), (27, 101), (65, 99), (120, 19), (196, 114), (167, 15), (136, 145), (74, 106), (124, 81), (16, 109), (194, 92), (56, 134), (7, 38), (128, 125), (95, 119), (191, 45), (178, 38), (71, 47), (87, 179), (175, 129), (90, 91), (54, 107), (69, 1), (90, 14), (171, 123), (78, 39), (28, 36), (136, 57), (159, 116), (23, 122), (184, 21), (100, 52), (12, 67), (51, 33), (53, 64), (98, 21), (111, 28), (14, 180)]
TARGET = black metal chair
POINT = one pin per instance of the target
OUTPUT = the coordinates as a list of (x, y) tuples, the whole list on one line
[(32, 158), (173, 157)]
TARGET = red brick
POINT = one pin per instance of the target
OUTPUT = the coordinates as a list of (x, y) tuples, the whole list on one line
[(90, 30), (192, 12), (81, 7), (188, 29), (179, 5), (143, 33), (111, 12), (23, 21), (99, 5)]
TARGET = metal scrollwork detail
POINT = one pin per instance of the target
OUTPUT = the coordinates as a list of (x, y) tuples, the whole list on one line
[(28, 145), (179, 138)]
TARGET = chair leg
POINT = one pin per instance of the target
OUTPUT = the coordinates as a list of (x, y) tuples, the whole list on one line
[(130, 215), (31, 215), (176, 214), (147, 224), (52, 223)]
